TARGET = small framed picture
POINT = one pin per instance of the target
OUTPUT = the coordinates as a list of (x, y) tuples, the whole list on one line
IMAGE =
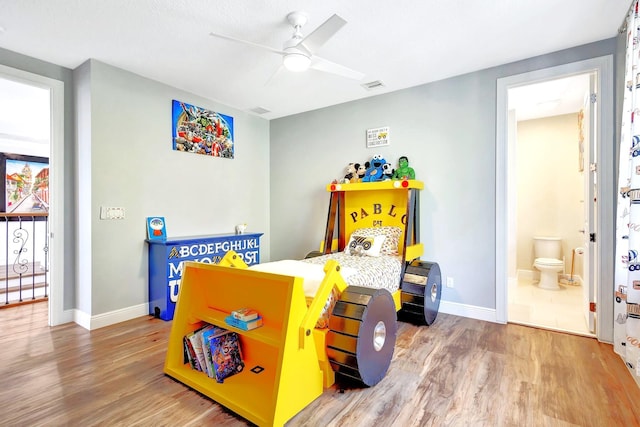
[(156, 228), (26, 185), (378, 137)]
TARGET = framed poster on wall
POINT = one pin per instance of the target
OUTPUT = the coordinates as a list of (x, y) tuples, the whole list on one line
[(26, 183), (201, 131)]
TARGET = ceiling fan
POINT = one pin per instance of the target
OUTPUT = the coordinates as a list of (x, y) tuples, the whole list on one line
[(298, 52)]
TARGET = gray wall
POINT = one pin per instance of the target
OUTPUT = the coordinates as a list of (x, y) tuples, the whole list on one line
[(128, 142), (448, 131), (118, 153), (25, 63)]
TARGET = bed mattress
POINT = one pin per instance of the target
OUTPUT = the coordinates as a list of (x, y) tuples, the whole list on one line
[(371, 272)]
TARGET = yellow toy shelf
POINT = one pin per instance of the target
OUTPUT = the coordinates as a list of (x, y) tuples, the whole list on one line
[(377, 186), (282, 371)]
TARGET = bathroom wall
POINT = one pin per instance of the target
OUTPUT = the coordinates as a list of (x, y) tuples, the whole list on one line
[(549, 187)]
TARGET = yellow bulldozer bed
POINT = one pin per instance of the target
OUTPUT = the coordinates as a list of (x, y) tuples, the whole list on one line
[(288, 361)]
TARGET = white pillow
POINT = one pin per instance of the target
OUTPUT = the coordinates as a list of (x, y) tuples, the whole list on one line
[(361, 245), (392, 234)]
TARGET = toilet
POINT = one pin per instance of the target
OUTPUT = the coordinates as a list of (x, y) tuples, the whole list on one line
[(548, 252)]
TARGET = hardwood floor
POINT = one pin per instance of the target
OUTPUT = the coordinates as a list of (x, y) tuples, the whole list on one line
[(458, 372)]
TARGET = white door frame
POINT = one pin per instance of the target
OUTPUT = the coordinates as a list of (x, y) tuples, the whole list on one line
[(56, 183), (605, 227)]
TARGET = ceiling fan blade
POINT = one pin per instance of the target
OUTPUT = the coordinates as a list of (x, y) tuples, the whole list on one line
[(324, 32), (248, 43), (321, 64), (275, 75)]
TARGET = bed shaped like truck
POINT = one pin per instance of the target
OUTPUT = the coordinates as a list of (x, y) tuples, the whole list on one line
[(333, 313)]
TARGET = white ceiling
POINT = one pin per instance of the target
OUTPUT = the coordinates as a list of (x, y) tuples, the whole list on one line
[(549, 98), (403, 44)]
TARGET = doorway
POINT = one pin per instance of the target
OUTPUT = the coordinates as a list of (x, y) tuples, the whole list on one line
[(551, 139), (600, 228), (51, 92)]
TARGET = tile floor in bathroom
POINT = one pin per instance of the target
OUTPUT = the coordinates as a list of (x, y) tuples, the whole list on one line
[(559, 310)]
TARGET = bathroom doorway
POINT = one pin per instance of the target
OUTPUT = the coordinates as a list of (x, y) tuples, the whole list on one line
[(595, 302), (549, 182)]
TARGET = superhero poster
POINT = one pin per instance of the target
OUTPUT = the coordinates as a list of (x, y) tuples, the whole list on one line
[(200, 131)]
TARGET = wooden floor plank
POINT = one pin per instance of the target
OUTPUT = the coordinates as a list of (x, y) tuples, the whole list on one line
[(457, 372)]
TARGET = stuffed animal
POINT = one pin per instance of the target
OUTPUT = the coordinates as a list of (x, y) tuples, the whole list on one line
[(362, 171), (375, 171), (352, 173), (404, 171), (387, 172)]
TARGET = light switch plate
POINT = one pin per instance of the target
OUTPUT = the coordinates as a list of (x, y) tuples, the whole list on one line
[(111, 212)]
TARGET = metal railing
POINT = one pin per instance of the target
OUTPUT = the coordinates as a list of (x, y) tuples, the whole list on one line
[(24, 277)]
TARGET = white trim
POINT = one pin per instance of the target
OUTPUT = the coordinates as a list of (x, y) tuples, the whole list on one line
[(57, 315), (81, 318), (606, 188), (502, 273), (65, 317), (106, 319), (470, 311)]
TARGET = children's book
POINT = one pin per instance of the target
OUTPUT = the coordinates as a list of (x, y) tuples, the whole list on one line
[(207, 334), (156, 228), (196, 342), (190, 352), (242, 324), (226, 355), (245, 314), (185, 351)]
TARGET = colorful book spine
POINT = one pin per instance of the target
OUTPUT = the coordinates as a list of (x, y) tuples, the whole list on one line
[(190, 352), (196, 342), (244, 325)]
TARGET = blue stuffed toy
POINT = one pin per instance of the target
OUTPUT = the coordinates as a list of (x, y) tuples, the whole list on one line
[(375, 171)]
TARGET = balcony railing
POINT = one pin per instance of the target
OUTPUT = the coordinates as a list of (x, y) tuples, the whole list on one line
[(24, 250)]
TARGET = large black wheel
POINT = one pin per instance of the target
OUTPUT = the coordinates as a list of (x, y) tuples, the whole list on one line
[(421, 290), (362, 334)]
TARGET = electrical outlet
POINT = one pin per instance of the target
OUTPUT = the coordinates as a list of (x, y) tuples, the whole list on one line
[(449, 282)]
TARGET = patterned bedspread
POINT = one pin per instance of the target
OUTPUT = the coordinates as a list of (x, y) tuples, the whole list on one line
[(373, 272)]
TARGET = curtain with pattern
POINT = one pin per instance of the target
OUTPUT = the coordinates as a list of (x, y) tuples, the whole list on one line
[(627, 261)]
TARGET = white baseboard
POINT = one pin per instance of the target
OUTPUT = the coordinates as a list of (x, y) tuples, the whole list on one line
[(105, 319), (528, 275), (535, 275), (65, 317), (470, 311), (81, 318)]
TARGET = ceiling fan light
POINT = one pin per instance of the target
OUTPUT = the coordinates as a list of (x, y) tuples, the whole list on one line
[(296, 62)]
